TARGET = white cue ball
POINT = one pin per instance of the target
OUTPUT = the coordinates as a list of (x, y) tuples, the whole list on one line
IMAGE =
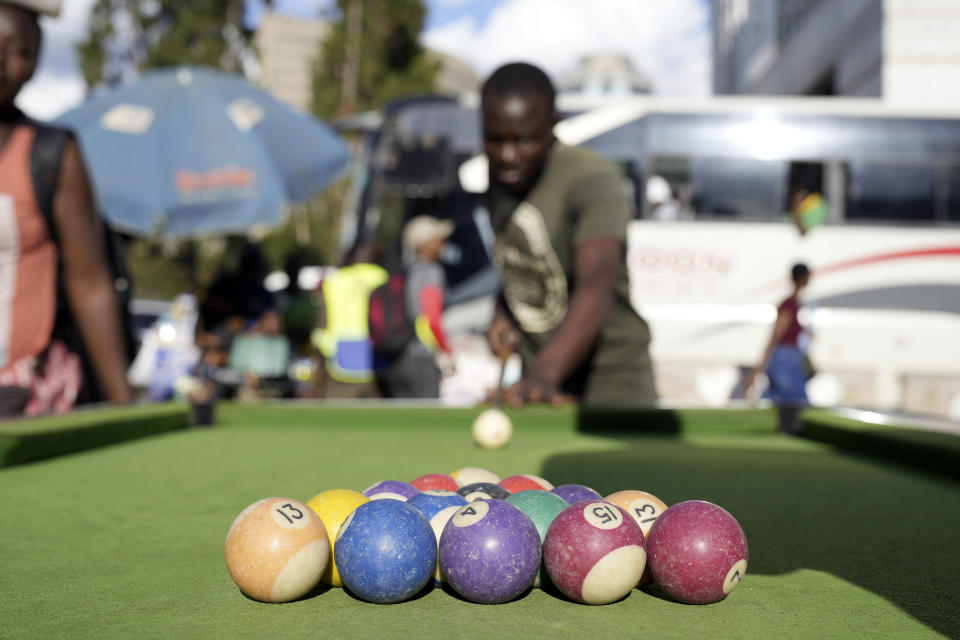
[(492, 429)]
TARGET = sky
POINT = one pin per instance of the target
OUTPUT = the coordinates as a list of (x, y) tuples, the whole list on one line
[(667, 40)]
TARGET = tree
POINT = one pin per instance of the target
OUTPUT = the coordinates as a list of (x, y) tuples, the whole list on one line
[(136, 34), (372, 55)]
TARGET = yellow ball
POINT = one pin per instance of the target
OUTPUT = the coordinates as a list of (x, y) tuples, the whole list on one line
[(333, 507), (469, 475), (492, 429), (277, 549)]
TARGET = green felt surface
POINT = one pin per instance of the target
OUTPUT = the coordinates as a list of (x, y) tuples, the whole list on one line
[(24, 441), (127, 540)]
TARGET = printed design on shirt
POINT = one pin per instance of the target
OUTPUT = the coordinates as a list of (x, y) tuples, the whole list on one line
[(534, 282), (9, 248)]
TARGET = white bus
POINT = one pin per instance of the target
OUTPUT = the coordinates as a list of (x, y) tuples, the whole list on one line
[(884, 299)]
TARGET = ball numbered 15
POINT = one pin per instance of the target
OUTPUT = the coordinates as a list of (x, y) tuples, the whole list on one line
[(594, 552)]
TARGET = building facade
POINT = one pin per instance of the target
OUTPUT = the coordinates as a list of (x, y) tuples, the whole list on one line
[(288, 47), (798, 47), (905, 51)]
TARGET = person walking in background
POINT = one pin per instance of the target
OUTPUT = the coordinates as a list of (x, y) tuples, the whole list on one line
[(343, 337), (413, 372), (38, 372), (784, 359), (560, 220)]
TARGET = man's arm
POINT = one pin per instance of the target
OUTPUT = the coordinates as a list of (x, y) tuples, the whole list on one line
[(596, 269), (89, 289)]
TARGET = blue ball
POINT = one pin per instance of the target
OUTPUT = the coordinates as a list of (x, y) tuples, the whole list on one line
[(385, 551), (433, 501), (437, 505)]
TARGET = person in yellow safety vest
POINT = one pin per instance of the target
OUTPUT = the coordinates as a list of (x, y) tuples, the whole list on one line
[(344, 341)]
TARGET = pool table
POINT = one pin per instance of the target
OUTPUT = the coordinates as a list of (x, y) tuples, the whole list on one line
[(125, 539)]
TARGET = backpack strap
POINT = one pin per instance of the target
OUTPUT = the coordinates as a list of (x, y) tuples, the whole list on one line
[(45, 160)]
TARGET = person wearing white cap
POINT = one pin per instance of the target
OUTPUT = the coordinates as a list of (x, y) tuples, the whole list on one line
[(414, 373), (662, 205), (43, 244)]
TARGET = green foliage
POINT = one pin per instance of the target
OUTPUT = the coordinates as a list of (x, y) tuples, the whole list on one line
[(390, 60), (313, 228), (91, 51), (173, 32), (161, 268)]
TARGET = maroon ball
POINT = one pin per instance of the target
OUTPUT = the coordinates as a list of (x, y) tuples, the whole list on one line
[(594, 552), (697, 552)]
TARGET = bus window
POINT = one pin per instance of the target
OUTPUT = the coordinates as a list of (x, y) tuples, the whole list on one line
[(891, 192), (953, 193), (738, 189)]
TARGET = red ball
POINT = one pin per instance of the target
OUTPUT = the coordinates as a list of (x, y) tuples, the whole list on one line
[(525, 482), (594, 552), (697, 552), (436, 481)]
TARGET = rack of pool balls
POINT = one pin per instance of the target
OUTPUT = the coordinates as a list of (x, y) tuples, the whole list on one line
[(490, 540)]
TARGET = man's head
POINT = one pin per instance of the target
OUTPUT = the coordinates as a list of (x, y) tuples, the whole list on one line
[(800, 274), (519, 113), (19, 49), (424, 237)]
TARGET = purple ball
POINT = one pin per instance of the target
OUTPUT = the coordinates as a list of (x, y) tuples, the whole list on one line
[(490, 551), (392, 489), (574, 493)]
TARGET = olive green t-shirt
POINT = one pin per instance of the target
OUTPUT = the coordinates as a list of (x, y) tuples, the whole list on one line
[(576, 197)]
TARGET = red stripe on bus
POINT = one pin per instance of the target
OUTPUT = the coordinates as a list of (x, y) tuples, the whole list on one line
[(933, 252), (885, 257)]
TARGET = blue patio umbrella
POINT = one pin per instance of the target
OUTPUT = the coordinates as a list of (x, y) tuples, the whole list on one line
[(190, 151)]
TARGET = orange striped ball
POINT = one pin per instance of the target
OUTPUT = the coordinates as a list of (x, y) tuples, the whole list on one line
[(277, 549)]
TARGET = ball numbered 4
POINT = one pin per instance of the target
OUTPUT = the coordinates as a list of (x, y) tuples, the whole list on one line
[(385, 551), (594, 552), (698, 552), (490, 551), (277, 549)]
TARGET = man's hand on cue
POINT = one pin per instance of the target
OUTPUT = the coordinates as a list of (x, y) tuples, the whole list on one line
[(536, 388)]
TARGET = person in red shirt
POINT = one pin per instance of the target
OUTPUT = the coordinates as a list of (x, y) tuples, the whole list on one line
[(37, 373), (415, 372), (783, 358)]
